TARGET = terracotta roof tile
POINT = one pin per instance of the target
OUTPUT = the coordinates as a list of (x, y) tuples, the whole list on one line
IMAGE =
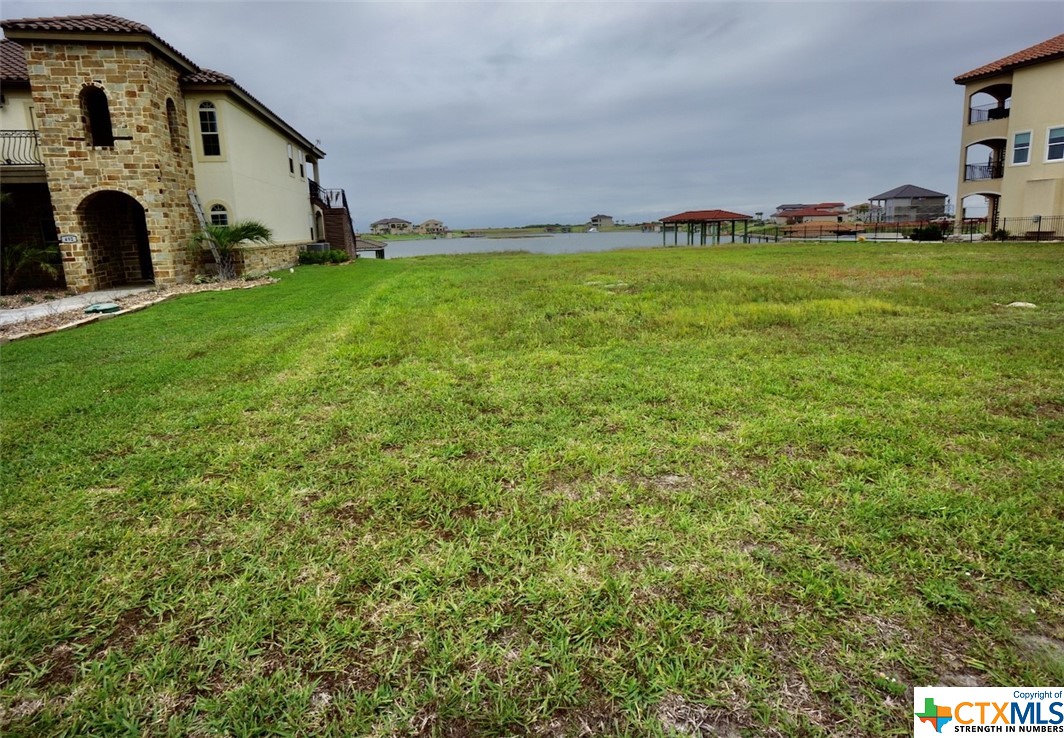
[(93, 23), (700, 215), (105, 24), (811, 212), (1044, 51), (208, 77), (13, 62)]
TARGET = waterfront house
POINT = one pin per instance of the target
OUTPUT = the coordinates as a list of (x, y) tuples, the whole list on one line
[(600, 221), (906, 204), (1012, 139), (821, 212), (391, 227), (431, 227), (118, 147)]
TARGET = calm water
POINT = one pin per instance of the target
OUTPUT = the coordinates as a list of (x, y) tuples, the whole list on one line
[(560, 243)]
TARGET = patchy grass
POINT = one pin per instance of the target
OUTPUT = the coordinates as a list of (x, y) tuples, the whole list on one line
[(720, 491)]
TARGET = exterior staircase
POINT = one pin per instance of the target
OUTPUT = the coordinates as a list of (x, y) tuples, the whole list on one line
[(339, 228)]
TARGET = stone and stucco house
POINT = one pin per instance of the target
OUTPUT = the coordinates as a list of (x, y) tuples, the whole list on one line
[(390, 226), (1012, 136), (118, 146), (600, 221), (431, 227)]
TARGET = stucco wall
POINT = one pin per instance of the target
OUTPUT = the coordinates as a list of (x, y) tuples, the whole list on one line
[(1037, 104), (251, 177), (17, 112)]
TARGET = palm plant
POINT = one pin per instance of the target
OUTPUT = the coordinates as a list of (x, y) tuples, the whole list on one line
[(223, 240)]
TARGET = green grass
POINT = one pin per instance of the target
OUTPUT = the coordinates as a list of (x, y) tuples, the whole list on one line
[(759, 489)]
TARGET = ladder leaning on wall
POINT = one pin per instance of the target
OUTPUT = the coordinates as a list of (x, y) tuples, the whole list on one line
[(194, 199)]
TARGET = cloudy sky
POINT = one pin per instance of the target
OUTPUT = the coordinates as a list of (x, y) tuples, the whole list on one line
[(500, 114)]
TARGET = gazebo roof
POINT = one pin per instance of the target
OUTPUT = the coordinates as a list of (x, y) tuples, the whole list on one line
[(705, 216)]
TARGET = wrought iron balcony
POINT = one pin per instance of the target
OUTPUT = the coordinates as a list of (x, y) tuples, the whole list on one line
[(335, 198), (19, 148), (974, 172), (983, 113)]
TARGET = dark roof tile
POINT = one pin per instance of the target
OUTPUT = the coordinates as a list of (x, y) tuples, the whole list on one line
[(907, 190)]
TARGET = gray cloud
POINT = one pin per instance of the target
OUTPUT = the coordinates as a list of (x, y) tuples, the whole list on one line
[(510, 113)]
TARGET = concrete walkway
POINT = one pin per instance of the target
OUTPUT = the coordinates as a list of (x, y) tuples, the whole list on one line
[(62, 305)]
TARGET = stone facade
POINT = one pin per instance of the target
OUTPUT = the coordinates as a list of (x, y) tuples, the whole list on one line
[(258, 258), (150, 161)]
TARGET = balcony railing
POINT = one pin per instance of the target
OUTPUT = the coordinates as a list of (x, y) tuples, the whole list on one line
[(983, 113), (974, 172), (19, 148), (335, 198)]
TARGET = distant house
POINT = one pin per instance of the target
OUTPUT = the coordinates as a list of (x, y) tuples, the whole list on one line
[(1012, 138), (601, 221), (390, 227), (908, 203), (821, 212), (431, 228)]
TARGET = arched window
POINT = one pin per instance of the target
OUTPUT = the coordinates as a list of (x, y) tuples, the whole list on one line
[(97, 117), (171, 123), (219, 215), (208, 120)]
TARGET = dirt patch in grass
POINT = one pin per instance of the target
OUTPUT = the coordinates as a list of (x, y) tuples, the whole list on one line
[(351, 513), (62, 670), (597, 717), (678, 715), (129, 626)]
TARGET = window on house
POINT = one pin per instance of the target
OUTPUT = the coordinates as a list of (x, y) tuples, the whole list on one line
[(171, 124), (302, 165), (1021, 148), (208, 120), (291, 161), (219, 215), (97, 116), (1055, 147)]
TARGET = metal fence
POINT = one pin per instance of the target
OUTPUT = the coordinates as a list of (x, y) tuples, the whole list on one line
[(1034, 228), (929, 230)]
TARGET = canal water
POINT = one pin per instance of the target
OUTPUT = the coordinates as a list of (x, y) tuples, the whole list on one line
[(558, 243)]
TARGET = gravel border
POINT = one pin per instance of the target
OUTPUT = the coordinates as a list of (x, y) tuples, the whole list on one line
[(76, 317)]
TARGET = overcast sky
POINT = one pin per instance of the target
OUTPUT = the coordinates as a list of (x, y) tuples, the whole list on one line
[(500, 114)]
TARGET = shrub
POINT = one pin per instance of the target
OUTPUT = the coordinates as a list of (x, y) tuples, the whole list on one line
[(932, 232), (223, 240), (333, 256)]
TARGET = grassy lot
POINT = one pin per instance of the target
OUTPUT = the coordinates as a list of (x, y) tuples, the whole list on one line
[(731, 490)]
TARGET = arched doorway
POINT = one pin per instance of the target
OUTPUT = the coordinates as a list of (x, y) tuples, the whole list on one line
[(115, 232), (319, 225)]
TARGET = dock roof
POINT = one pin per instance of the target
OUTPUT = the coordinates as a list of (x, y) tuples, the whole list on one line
[(705, 216)]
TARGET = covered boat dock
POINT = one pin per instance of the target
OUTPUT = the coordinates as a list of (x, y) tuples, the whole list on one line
[(706, 224)]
